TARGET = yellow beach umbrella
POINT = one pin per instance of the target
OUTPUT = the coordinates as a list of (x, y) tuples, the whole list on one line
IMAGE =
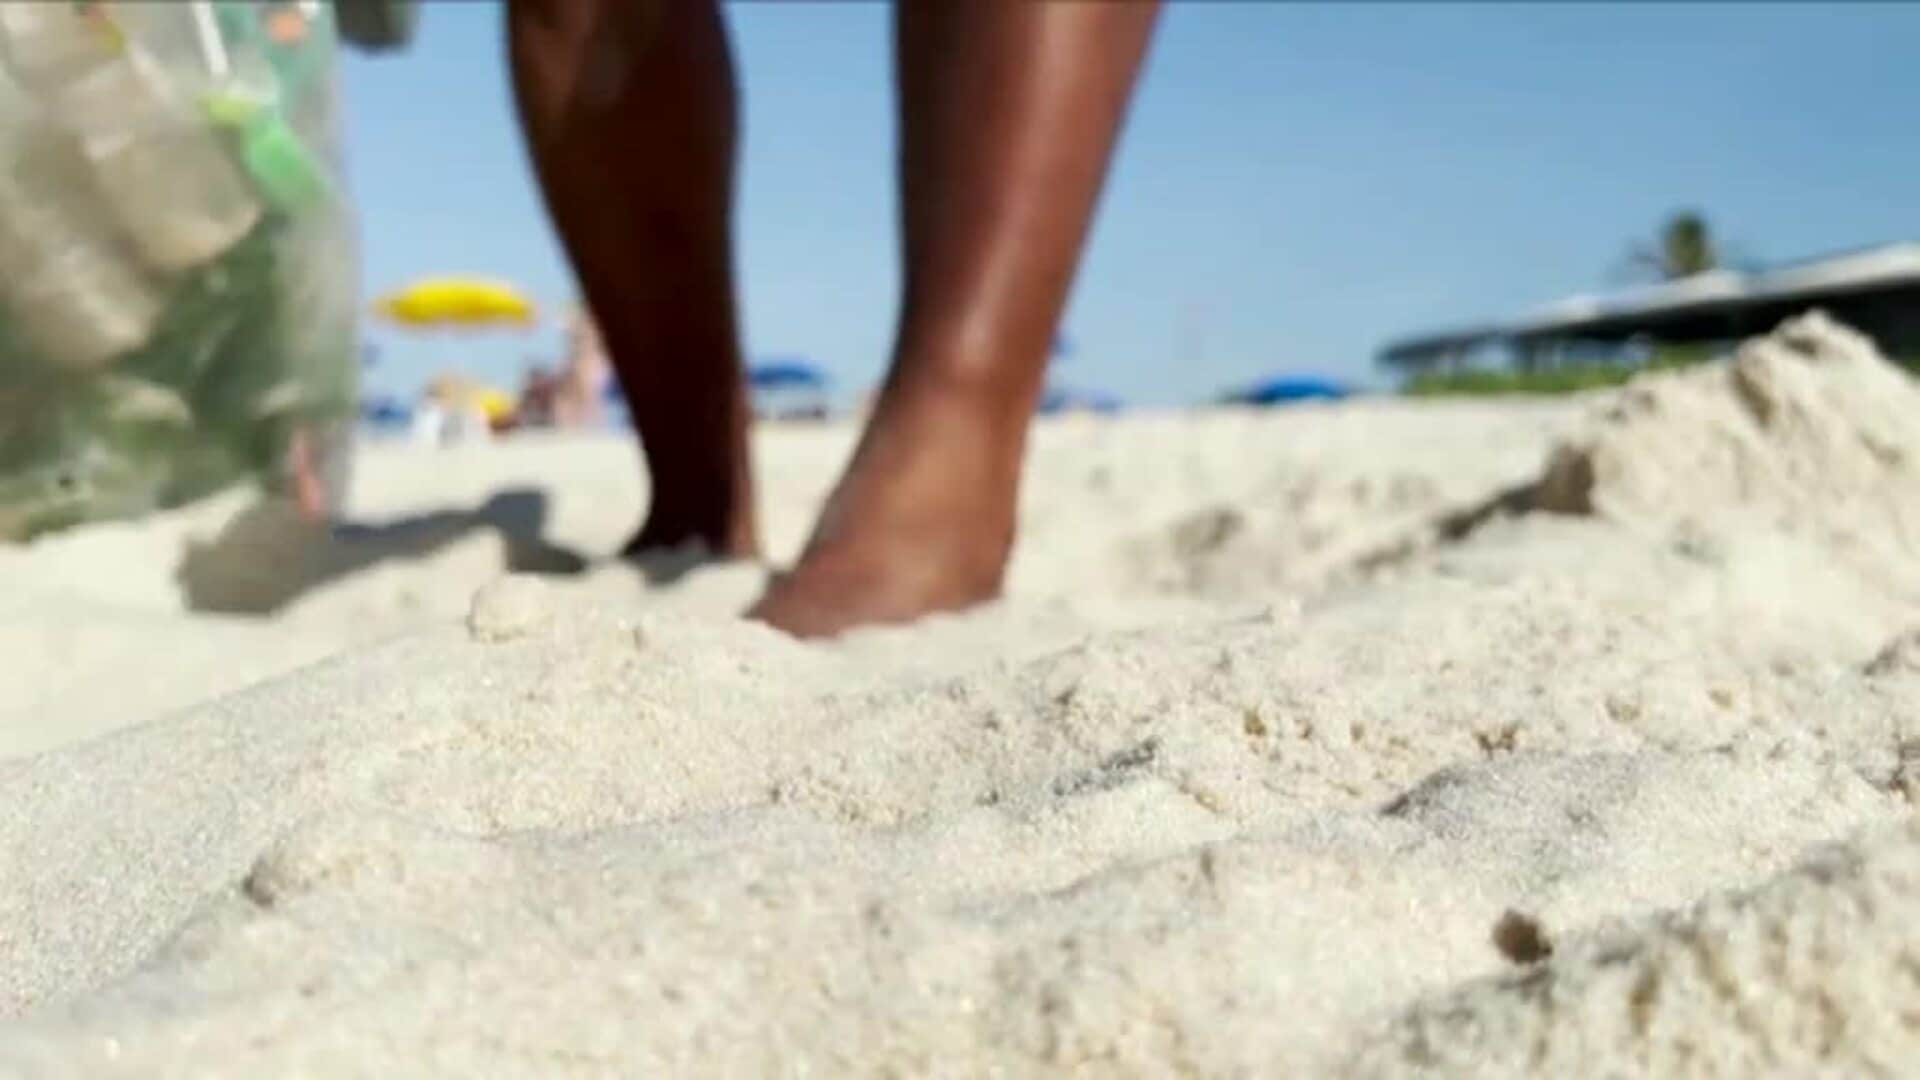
[(457, 302)]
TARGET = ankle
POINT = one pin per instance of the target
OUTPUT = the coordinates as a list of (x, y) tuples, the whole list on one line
[(723, 527), (974, 372)]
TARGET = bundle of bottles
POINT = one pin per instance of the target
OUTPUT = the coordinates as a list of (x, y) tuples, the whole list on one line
[(178, 290)]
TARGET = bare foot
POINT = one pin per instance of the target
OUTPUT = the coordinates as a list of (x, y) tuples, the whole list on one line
[(923, 521)]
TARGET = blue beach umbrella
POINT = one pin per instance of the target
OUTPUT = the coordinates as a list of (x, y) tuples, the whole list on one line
[(1059, 399), (1284, 389), (785, 373), (385, 411)]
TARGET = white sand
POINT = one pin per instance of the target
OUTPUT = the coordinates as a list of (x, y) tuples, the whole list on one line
[(1295, 749)]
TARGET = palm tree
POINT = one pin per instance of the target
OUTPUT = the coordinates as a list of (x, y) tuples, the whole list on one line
[(1685, 247)]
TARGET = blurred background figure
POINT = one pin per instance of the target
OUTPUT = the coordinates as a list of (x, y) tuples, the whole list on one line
[(535, 408), (580, 387), (455, 409)]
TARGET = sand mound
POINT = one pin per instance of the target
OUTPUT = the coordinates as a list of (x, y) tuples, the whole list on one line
[(1217, 790), (1340, 497), (1816, 974), (1807, 430)]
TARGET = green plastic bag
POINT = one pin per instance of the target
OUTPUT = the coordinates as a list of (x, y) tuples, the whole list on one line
[(178, 283)]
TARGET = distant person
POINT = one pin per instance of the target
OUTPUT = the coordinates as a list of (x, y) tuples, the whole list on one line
[(536, 406), (1009, 110), (581, 384)]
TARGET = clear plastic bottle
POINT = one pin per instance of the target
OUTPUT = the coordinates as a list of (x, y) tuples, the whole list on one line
[(69, 289), (50, 44), (124, 79)]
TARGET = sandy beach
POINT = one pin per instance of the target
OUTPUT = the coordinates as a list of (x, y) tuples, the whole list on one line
[(1574, 737)]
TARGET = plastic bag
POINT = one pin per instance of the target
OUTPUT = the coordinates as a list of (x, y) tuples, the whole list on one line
[(178, 284)]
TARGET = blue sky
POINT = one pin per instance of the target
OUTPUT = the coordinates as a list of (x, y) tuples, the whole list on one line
[(1298, 184)]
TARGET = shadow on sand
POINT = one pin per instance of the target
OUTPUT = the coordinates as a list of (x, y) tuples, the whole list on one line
[(267, 557)]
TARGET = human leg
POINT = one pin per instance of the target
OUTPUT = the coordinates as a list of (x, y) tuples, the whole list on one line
[(629, 112), (1009, 111)]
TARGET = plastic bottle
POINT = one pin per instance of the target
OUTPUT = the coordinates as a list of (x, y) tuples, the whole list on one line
[(51, 44), (124, 78), (69, 290)]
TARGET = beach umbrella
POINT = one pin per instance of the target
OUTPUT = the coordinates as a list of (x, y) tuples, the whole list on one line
[(457, 302), (789, 373), (385, 411), (1283, 389), (1059, 399), (461, 303), (787, 387)]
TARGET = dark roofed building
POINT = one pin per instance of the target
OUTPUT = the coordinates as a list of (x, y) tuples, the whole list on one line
[(1877, 291)]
